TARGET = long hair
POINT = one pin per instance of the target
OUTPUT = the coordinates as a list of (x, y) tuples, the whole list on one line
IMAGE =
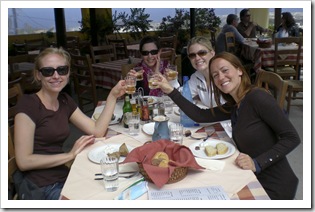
[(38, 60), (244, 87), (289, 20)]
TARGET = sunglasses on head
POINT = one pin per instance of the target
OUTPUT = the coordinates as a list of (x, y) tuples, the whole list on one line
[(49, 71), (152, 52), (201, 53)]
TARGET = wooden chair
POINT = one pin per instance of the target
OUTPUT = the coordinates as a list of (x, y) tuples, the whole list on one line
[(120, 47), (274, 84), (14, 93), (36, 44), (294, 87), (125, 68), (103, 53), (12, 166), (168, 42), (230, 45), (84, 82), (19, 48), (168, 54), (282, 66)]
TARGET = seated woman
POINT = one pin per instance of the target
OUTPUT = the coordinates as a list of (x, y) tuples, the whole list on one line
[(288, 27), (150, 50), (260, 130), (42, 125)]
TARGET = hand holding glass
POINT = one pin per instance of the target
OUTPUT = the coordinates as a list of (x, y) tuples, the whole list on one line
[(110, 172), (171, 72), (139, 71), (130, 84), (152, 77)]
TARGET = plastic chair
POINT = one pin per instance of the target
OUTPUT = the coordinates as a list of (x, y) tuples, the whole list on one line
[(282, 66), (274, 84), (84, 81)]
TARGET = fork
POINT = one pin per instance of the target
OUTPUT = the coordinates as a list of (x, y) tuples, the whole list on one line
[(123, 176), (209, 134)]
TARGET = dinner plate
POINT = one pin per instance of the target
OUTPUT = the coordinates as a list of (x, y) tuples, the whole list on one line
[(149, 127), (96, 154), (213, 142), (114, 121), (151, 99)]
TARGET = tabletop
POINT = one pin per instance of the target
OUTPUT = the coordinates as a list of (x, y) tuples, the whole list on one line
[(107, 74), (239, 184), (263, 57)]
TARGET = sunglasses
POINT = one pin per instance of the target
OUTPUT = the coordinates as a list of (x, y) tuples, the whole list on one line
[(201, 53), (152, 52), (247, 15), (49, 71)]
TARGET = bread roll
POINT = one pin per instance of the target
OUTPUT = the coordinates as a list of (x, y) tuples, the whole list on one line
[(123, 150), (222, 148), (160, 159), (210, 151)]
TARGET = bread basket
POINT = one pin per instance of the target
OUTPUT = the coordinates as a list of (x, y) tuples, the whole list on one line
[(178, 174), (264, 43)]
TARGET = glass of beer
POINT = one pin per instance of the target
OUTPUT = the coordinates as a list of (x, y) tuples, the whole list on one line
[(152, 77), (171, 72), (139, 71), (130, 84)]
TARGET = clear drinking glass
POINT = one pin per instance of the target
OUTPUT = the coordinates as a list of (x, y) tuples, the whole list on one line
[(176, 133), (168, 104), (130, 84), (110, 172), (171, 72), (152, 77), (139, 71), (134, 124)]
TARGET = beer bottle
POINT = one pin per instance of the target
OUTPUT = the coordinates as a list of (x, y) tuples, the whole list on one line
[(126, 109)]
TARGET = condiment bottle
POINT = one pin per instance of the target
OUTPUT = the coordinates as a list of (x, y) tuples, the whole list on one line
[(145, 112)]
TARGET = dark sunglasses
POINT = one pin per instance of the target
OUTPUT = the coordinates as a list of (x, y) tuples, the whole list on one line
[(49, 71), (247, 15), (152, 52), (201, 53)]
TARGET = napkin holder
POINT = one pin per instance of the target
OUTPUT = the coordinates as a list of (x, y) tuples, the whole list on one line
[(161, 130)]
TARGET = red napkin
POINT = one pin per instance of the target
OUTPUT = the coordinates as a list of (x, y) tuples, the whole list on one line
[(181, 155)]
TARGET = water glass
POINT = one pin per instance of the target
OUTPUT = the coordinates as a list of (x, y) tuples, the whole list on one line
[(176, 133), (168, 104), (134, 124), (139, 71), (130, 84), (152, 77), (171, 72), (110, 172)]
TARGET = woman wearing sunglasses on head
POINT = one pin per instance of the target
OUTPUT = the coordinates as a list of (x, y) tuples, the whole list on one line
[(42, 125), (150, 50), (200, 51)]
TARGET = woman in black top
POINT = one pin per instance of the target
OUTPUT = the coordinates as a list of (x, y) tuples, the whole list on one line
[(261, 131)]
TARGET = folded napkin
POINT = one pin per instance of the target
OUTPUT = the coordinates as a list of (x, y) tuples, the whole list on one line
[(180, 155)]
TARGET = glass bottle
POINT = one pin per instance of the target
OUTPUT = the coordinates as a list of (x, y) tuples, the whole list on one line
[(126, 109)]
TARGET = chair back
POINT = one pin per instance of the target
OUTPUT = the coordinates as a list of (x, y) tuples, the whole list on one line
[(84, 81), (230, 45), (12, 167), (283, 65), (103, 53), (125, 68), (168, 42), (274, 84), (19, 48), (120, 47), (168, 54), (36, 44)]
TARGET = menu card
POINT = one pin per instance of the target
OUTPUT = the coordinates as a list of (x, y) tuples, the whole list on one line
[(200, 193)]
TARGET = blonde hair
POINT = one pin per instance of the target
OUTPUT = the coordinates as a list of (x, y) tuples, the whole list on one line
[(38, 60), (200, 40)]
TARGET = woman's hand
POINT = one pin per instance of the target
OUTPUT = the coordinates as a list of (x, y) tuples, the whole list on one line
[(81, 143), (245, 162), (158, 62), (119, 89), (163, 84)]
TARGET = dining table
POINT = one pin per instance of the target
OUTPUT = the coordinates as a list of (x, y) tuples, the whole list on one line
[(107, 74), (264, 57), (238, 184)]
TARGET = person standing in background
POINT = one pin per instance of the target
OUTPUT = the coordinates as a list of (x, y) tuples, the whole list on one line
[(247, 28)]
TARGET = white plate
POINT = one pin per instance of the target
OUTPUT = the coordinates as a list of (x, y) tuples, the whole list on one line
[(149, 127), (153, 101), (96, 154), (115, 121), (201, 152)]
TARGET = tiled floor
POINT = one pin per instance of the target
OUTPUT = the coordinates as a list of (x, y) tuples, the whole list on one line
[(295, 157)]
